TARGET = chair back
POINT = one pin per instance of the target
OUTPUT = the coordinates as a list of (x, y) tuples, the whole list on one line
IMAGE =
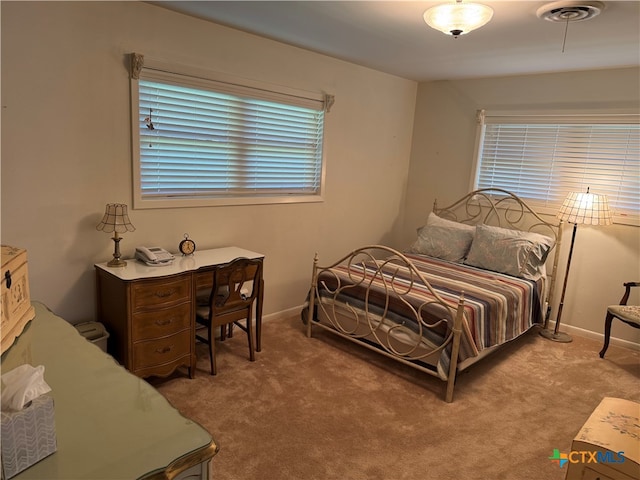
[(235, 285)]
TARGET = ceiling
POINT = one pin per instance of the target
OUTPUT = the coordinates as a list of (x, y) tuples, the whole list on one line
[(391, 36)]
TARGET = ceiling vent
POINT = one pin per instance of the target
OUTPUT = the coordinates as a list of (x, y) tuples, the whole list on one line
[(570, 11)]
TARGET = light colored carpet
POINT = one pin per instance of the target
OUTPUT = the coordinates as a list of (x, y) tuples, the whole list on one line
[(322, 408)]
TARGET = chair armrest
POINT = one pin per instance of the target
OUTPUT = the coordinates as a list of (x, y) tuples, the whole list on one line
[(627, 291)]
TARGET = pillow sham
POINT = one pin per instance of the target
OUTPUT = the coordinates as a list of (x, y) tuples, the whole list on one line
[(444, 239), (516, 253)]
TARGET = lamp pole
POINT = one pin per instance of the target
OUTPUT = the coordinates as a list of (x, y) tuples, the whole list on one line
[(557, 335), (588, 208)]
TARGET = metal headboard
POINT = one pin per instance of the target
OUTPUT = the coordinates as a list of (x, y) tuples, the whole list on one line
[(498, 207)]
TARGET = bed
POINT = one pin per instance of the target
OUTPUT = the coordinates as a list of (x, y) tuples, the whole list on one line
[(480, 273)]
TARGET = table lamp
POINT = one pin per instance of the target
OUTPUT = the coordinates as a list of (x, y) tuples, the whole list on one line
[(586, 208), (116, 220)]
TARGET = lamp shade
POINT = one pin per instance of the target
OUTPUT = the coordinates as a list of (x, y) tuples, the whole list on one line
[(585, 208), (458, 18), (115, 219)]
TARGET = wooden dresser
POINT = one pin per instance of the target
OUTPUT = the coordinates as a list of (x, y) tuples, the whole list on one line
[(149, 321), (149, 312)]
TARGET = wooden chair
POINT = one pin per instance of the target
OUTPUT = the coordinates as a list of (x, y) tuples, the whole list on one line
[(235, 288), (629, 314)]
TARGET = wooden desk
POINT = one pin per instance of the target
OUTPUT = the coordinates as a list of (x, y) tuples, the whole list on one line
[(149, 312), (109, 424)]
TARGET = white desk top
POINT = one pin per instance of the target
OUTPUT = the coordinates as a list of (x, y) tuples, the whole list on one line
[(135, 269)]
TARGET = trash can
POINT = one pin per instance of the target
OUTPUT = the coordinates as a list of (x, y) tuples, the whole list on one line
[(95, 333)]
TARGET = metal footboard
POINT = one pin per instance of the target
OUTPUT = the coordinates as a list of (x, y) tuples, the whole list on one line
[(358, 298)]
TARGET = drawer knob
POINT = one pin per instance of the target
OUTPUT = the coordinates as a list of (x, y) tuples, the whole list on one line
[(7, 277), (164, 349), (165, 294), (165, 322)]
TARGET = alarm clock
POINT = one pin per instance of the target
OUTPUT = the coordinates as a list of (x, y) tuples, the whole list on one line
[(187, 246)]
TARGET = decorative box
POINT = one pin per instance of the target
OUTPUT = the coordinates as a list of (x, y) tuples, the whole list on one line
[(28, 436), (607, 447), (17, 310)]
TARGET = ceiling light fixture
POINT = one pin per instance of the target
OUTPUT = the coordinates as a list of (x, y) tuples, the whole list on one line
[(458, 18)]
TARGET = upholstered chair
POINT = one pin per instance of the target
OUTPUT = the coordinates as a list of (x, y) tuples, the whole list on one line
[(629, 314)]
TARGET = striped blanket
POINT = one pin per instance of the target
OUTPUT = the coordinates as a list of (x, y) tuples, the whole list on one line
[(498, 307)]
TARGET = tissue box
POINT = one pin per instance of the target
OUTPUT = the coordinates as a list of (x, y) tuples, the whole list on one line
[(27, 436), (17, 310)]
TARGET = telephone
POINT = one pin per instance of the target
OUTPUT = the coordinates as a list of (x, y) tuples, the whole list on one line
[(154, 256)]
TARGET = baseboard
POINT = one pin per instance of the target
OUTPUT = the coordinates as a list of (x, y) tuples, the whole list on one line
[(581, 332), (575, 331), (290, 312)]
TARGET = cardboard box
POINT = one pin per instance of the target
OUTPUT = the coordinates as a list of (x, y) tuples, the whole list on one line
[(28, 436), (16, 309)]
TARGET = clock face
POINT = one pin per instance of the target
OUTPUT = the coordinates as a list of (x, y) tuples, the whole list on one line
[(187, 246)]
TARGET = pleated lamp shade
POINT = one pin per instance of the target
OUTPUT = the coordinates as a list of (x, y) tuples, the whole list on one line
[(115, 219), (585, 208)]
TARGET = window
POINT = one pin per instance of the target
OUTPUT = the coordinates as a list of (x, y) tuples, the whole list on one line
[(203, 139), (543, 158)]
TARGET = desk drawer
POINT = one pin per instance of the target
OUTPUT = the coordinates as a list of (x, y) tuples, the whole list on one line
[(203, 279), (162, 350), (151, 294), (160, 323)]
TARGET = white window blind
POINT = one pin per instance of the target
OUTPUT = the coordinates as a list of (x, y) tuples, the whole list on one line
[(202, 140), (542, 159)]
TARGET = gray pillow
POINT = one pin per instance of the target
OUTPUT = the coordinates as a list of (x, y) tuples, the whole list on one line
[(516, 253), (444, 239)]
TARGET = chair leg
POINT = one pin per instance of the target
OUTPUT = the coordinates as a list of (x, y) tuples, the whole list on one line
[(212, 352), (607, 334), (252, 356), (259, 316), (223, 333)]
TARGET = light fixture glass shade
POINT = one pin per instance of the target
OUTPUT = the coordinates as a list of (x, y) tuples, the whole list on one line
[(115, 219), (458, 18), (585, 208)]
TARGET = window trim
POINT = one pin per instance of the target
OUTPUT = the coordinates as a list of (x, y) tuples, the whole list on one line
[(159, 70), (610, 116)]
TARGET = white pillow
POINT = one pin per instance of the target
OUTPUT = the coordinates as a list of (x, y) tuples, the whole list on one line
[(444, 239), (516, 253)]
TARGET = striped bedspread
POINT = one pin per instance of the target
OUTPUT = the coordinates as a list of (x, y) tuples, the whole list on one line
[(498, 307)]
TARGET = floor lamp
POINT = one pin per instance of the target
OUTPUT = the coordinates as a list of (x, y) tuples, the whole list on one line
[(585, 208)]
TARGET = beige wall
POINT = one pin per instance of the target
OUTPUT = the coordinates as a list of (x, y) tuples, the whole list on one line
[(66, 147), (66, 153), (444, 138)]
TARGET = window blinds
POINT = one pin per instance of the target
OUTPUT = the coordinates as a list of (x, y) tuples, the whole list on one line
[(201, 138), (543, 161), (199, 142)]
